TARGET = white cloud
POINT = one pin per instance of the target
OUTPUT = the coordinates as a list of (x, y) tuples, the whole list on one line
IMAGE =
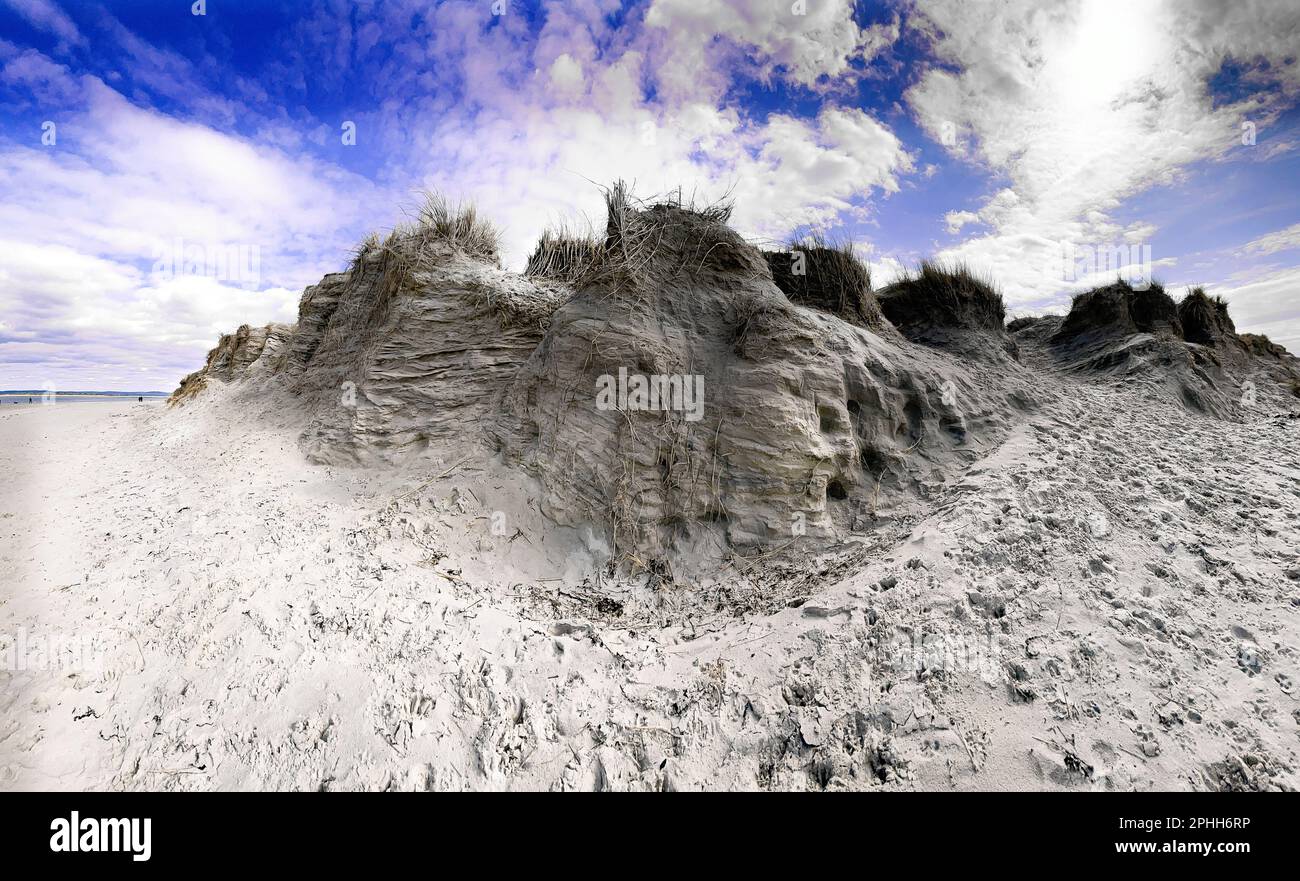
[(44, 15), (1282, 240), (566, 75), (885, 271), (84, 220), (702, 44), (957, 219), (1266, 305), (783, 174), (1082, 106), (121, 178), (93, 322), (48, 83), (572, 110)]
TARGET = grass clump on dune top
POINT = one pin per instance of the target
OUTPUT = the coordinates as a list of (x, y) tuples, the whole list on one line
[(939, 295), (458, 226), (826, 275), (439, 230), (1205, 319), (671, 238), (562, 255), (1119, 308)]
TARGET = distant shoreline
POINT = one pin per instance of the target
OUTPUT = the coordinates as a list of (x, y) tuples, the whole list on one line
[(7, 393)]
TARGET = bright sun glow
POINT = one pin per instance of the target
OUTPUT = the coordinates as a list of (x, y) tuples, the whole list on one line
[(1113, 46)]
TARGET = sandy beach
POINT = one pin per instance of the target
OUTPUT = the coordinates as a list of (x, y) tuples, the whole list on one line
[(1108, 600)]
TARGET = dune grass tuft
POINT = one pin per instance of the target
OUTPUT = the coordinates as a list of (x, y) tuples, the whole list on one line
[(459, 226), (563, 255), (1205, 318), (944, 295), (638, 231), (825, 274)]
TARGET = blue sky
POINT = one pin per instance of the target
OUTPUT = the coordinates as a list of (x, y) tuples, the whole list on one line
[(169, 176)]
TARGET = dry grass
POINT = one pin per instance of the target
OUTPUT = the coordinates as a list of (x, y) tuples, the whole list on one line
[(1259, 344), (190, 386), (440, 229), (1117, 308), (457, 226), (1198, 293), (619, 201), (827, 275), (637, 231), (1153, 309), (941, 295), (1205, 319), (563, 255), (369, 245)]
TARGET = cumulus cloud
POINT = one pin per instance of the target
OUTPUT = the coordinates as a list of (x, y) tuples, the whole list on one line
[(808, 42), (582, 103), (93, 223), (83, 317), (784, 173), (955, 220)]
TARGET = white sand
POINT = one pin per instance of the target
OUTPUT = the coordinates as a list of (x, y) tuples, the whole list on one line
[(1108, 601)]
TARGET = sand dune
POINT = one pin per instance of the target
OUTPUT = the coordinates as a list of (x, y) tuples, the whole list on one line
[(398, 545)]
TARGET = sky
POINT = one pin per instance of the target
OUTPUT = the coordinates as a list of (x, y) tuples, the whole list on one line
[(171, 170)]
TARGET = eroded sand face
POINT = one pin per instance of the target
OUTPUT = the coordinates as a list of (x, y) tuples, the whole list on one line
[(1106, 600)]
